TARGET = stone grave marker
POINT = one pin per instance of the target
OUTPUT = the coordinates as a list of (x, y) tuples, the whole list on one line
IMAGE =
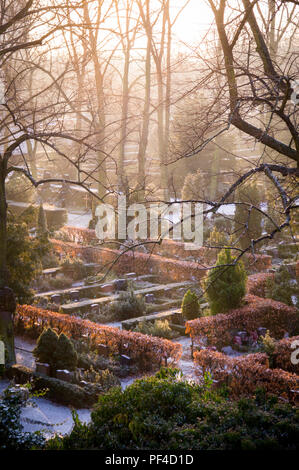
[(64, 374), (75, 296), (121, 284), (42, 368)]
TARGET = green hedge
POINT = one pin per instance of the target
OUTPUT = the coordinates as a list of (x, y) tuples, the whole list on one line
[(167, 413)]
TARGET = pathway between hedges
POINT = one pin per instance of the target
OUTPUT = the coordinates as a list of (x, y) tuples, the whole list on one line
[(51, 417)]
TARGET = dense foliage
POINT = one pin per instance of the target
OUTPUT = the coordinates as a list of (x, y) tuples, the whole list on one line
[(277, 317), (282, 287), (24, 255), (32, 320), (128, 305), (12, 436), (167, 412), (226, 284), (58, 351), (74, 267), (159, 328), (190, 306), (244, 374)]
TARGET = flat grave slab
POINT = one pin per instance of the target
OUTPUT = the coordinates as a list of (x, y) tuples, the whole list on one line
[(102, 300)]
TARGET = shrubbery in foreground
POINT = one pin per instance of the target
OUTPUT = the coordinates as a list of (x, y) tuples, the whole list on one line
[(167, 412), (12, 436)]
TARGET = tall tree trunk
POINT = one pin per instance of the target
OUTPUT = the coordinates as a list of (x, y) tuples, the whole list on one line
[(145, 125), (32, 157), (7, 298), (124, 122), (161, 138)]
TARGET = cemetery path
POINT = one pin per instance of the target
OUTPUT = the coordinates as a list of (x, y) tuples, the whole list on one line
[(24, 348), (47, 416), (186, 364), (51, 417)]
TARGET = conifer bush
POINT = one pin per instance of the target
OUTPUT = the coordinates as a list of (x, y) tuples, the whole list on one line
[(190, 306), (65, 356), (225, 285), (58, 351), (46, 346)]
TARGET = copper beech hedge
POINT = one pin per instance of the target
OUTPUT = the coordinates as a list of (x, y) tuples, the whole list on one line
[(277, 317), (138, 346), (247, 373), (257, 283), (282, 354), (169, 250), (166, 269)]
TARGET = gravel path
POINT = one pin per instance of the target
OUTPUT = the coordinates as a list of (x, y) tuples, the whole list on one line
[(51, 417), (44, 415)]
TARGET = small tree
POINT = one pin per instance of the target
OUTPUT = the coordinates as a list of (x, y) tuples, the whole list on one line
[(217, 238), (46, 347), (65, 356), (225, 285), (282, 288), (190, 306), (23, 258)]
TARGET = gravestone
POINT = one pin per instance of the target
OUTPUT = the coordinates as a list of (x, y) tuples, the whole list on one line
[(243, 335), (103, 350), (261, 331), (42, 368), (125, 360), (94, 308), (83, 383), (130, 275), (121, 284), (149, 298), (56, 299), (64, 374), (75, 296), (107, 288)]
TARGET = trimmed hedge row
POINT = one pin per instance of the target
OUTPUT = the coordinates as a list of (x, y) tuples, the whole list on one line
[(256, 283), (246, 374), (174, 249), (141, 348), (282, 354), (277, 317), (214, 360), (167, 269)]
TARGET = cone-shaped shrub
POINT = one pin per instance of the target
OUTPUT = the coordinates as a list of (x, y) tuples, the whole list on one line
[(65, 354), (46, 347), (225, 285), (190, 306)]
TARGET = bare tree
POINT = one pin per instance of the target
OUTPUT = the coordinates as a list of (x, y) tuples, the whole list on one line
[(31, 114)]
